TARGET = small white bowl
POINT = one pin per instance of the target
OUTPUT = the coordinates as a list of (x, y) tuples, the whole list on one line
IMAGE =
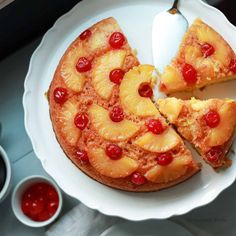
[(17, 196), (7, 184)]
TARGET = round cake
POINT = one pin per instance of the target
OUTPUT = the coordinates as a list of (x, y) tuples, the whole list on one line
[(104, 118)]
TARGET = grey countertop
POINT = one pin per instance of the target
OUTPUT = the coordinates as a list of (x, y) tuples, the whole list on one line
[(217, 218), (15, 140)]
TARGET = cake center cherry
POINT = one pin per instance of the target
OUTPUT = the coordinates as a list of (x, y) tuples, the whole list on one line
[(117, 40), (214, 154), (113, 151), (212, 118), (81, 120), (85, 35), (155, 126), (40, 201), (207, 49), (116, 76), (60, 95), (232, 65), (138, 179), (145, 90), (164, 159), (189, 74), (83, 65), (117, 114)]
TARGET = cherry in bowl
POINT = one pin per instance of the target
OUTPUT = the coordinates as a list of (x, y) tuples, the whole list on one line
[(36, 201)]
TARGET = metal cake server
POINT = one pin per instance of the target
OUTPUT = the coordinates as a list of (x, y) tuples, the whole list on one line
[(167, 32)]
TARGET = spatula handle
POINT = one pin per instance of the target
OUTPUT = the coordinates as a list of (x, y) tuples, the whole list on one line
[(174, 8), (175, 5)]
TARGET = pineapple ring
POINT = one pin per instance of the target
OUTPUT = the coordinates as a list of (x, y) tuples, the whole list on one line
[(220, 134), (163, 174), (101, 69), (159, 143), (113, 131), (129, 95), (121, 168), (72, 78), (66, 117), (170, 108), (206, 35)]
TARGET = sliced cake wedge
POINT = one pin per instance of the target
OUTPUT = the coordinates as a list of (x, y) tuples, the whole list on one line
[(204, 58), (209, 125)]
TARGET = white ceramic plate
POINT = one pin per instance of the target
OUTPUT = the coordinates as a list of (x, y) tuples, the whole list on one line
[(135, 18), (146, 228)]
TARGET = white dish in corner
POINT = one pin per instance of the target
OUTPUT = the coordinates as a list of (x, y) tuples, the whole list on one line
[(147, 228), (135, 18)]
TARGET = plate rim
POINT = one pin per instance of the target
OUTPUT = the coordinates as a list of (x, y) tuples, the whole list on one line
[(26, 96)]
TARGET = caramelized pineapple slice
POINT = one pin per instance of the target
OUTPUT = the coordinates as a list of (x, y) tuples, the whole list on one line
[(172, 80), (164, 174), (159, 143), (101, 70), (66, 118), (191, 53), (170, 108), (100, 36), (120, 168), (129, 95), (113, 131), (206, 68), (206, 34), (72, 78), (199, 105), (220, 134)]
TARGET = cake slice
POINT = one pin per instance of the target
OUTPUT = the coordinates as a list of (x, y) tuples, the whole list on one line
[(204, 58), (208, 125)]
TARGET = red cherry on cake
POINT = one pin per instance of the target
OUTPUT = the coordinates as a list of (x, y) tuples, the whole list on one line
[(60, 95), (164, 159), (138, 179), (116, 76), (113, 151), (155, 126), (207, 49), (189, 74), (83, 65), (85, 35), (145, 90), (82, 156), (81, 120), (117, 114), (232, 66), (117, 40), (214, 154), (212, 118)]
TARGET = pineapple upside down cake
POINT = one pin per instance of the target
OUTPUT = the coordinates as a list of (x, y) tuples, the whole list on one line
[(104, 118)]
